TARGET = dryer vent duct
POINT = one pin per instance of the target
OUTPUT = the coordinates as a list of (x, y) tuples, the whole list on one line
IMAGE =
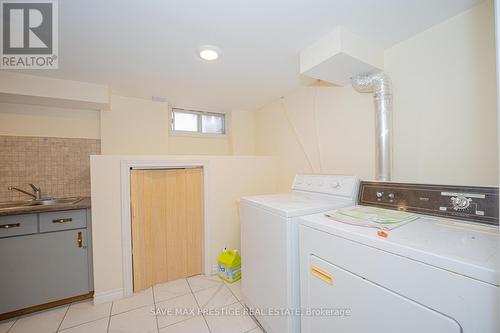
[(380, 85)]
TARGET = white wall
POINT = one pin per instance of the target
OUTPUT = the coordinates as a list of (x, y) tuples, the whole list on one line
[(230, 177), (445, 125), (34, 120)]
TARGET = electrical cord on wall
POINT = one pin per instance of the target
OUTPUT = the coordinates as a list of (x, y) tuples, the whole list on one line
[(294, 130)]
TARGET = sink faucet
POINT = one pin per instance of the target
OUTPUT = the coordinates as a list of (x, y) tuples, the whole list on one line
[(37, 193)]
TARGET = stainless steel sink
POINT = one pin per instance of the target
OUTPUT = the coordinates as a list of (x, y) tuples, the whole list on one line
[(49, 202), (12, 205)]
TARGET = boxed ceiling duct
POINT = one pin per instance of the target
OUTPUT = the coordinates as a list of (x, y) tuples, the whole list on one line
[(340, 55)]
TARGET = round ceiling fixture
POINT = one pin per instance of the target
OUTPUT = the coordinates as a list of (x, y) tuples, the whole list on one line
[(209, 53)]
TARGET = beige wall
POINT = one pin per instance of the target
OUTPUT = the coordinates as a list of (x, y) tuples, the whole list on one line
[(444, 113), (239, 140), (39, 90), (445, 101), (140, 126), (131, 126), (134, 126), (34, 120), (243, 132), (196, 145), (230, 177), (339, 139)]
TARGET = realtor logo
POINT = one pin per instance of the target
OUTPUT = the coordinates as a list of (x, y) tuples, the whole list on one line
[(29, 34)]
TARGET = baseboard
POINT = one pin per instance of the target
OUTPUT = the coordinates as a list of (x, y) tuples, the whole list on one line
[(108, 296), (49, 305)]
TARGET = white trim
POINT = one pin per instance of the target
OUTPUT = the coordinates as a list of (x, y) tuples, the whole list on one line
[(108, 296), (197, 135), (126, 165)]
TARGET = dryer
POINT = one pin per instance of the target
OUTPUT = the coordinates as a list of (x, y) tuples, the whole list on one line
[(435, 272), (269, 245)]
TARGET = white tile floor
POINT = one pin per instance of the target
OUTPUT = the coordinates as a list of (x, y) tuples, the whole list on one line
[(149, 311)]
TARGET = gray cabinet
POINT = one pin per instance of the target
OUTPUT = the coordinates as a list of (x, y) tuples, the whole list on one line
[(46, 266)]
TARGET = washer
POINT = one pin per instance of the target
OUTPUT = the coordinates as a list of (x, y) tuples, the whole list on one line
[(269, 244), (437, 273)]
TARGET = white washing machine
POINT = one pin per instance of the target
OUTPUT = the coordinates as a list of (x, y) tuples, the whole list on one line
[(437, 273), (269, 245)]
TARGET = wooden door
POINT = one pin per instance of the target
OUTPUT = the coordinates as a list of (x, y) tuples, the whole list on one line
[(167, 225)]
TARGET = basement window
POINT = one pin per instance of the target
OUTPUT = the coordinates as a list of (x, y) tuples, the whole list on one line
[(198, 122)]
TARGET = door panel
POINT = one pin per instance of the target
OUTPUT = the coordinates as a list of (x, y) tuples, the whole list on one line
[(368, 307), (176, 227), (167, 225), (157, 187), (42, 268), (194, 219), (141, 236)]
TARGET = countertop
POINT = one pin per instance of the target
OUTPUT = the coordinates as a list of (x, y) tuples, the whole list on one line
[(82, 204)]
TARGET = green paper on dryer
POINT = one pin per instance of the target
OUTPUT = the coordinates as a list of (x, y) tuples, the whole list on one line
[(372, 217)]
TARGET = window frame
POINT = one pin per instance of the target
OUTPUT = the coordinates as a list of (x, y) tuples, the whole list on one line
[(199, 114)]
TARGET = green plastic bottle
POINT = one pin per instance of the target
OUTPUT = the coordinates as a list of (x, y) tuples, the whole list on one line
[(229, 265)]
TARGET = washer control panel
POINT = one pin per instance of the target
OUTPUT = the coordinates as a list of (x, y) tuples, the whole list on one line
[(345, 186), (478, 204)]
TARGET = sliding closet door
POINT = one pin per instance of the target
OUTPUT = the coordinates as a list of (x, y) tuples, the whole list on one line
[(167, 225)]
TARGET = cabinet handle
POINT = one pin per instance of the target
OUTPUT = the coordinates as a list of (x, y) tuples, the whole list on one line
[(79, 239), (10, 225), (321, 274), (68, 219)]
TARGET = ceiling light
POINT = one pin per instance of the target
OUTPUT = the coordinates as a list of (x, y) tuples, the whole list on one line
[(209, 53)]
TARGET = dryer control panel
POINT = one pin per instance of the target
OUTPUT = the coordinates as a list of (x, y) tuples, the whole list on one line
[(477, 204)]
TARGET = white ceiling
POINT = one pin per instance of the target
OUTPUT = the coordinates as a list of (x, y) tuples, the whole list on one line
[(145, 48)]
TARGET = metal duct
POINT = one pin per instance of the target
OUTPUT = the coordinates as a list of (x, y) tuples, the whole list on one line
[(380, 85)]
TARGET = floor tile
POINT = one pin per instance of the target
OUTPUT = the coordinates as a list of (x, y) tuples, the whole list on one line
[(46, 321), (140, 320), (235, 288), (201, 282), (194, 325), (135, 301), (171, 289), (6, 324), (215, 297), (83, 312), (98, 326), (255, 330), (165, 311), (237, 323)]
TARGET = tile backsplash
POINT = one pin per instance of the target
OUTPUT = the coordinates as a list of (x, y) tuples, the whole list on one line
[(59, 166)]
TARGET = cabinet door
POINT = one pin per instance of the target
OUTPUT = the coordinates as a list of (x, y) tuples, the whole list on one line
[(42, 268), (351, 303)]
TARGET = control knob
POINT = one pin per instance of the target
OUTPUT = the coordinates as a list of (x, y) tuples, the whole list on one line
[(460, 202)]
